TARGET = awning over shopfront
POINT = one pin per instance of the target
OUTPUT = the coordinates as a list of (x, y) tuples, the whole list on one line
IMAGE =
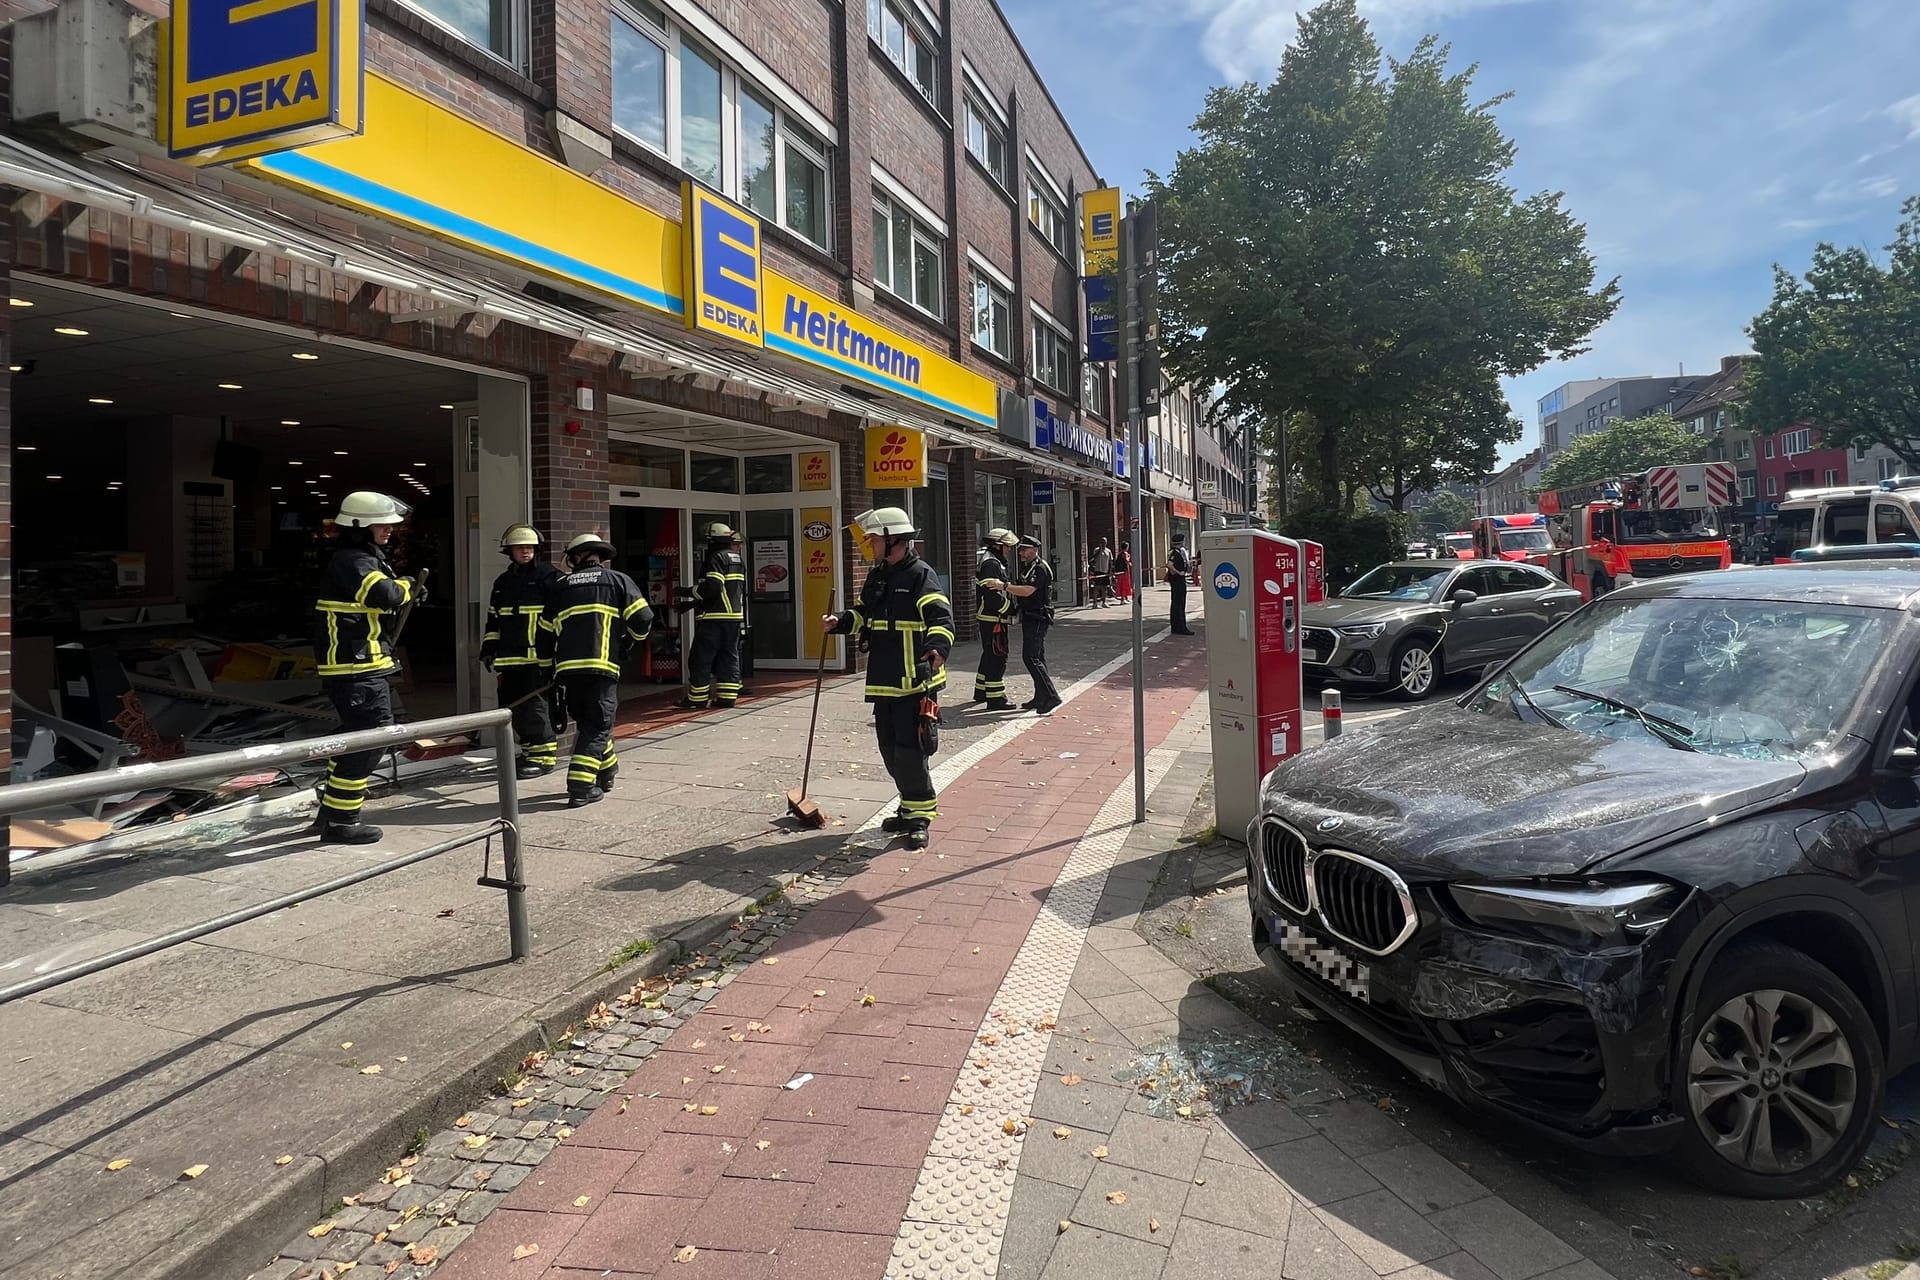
[(461, 286)]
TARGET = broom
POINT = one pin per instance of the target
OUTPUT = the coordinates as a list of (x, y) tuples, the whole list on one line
[(801, 809)]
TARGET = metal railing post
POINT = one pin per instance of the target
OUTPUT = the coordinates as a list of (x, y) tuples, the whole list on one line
[(1329, 714), (517, 931)]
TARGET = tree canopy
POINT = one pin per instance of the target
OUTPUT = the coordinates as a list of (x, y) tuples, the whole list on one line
[(1342, 244), (1840, 348), (1451, 437), (1445, 512), (1624, 447)]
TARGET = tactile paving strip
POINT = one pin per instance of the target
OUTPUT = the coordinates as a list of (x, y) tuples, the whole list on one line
[(960, 1204)]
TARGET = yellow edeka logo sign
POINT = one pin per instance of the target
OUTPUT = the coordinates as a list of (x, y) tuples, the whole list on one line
[(1100, 227), (723, 266), (896, 458), (247, 77)]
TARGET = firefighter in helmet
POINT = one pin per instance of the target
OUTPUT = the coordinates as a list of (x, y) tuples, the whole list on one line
[(907, 624), (720, 611), (352, 630), (519, 651), (594, 613), (994, 612)]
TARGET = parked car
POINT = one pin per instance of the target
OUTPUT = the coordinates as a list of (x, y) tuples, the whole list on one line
[(1400, 626), (1420, 551), (1649, 887)]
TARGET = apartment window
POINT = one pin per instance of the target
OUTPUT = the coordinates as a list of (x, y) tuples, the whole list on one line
[(1050, 354), (1093, 388), (1833, 477), (1773, 486), (498, 26), (1743, 448), (671, 94), (1769, 446), (1720, 420), (908, 44), (1795, 442), (1860, 452), (1746, 486), (1699, 426), (992, 316), (908, 258), (1889, 468), (1046, 210), (987, 140)]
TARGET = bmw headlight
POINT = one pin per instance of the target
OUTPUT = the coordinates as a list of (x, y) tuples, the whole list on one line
[(1362, 630), (1586, 913)]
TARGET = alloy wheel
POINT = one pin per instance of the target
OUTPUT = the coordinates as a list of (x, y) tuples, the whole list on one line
[(1771, 1081), (1416, 672)]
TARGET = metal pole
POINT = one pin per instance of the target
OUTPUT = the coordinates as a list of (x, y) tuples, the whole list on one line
[(1135, 459), (1329, 714), (519, 937)]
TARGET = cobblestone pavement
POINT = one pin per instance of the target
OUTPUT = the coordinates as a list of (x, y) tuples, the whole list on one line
[(959, 1063)]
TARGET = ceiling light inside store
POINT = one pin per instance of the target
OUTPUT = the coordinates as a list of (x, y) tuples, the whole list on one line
[(28, 448), (68, 331), (98, 400), (446, 406), (56, 477), (325, 476), (289, 422), (18, 302), (295, 462), (339, 453), (305, 355), (419, 464), (230, 386)]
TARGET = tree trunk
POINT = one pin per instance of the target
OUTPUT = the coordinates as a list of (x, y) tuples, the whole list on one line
[(1330, 485)]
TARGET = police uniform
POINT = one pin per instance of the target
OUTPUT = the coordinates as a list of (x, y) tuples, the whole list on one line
[(905, 619), (594, 613), (519, 650), (1179, 571), (994, 611), (1036, 617), (352, 629), (720, 603)]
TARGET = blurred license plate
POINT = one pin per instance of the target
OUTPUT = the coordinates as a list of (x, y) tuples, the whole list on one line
[(1313, 655), (1325, 961)]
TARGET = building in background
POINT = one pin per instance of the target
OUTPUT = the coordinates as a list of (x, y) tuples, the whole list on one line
[(1709, 406)]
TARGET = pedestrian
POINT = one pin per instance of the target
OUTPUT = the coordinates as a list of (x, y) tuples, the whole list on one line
[(994, 612), (907, 623), (1123, 577), (595, 613), (352, 645), (1179, 573), (519, 651), (1033, 588), (719, 613), (1100, 566)]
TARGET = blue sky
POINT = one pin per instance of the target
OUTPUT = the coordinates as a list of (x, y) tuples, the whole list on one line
[(1701, 141)]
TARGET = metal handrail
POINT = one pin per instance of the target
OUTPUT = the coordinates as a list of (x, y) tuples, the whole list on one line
[(498, 724)]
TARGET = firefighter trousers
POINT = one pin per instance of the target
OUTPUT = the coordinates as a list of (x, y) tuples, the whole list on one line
[(896, 723), (990, 681), (533, 717), (713, 667), (591, 701), (362, 702)]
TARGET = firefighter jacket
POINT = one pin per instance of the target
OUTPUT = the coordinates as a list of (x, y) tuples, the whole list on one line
[(905, 617), (722, 589), (514, 636), (995, 605), (351, 615), (594, 614)]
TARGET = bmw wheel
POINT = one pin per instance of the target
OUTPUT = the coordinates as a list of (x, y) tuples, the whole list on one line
[(1415, 668), (1782, 1076)]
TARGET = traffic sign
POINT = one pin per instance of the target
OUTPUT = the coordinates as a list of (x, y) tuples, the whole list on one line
[(1043, 493)]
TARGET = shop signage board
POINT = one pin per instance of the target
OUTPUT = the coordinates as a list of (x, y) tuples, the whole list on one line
[(242, 78), (896, 458), (1100, 239), (772, 567), (1043, 493), (722, 267), (817, 574), (816, 471)]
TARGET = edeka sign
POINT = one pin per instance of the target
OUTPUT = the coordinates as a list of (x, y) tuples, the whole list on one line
[(896, 458), (1100, 228), (245, 77), (723, 266)]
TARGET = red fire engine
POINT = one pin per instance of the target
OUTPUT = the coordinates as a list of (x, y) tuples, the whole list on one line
[(1661, 521), (1510, 537)]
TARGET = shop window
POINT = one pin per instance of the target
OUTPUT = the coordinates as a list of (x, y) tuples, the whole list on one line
[(770, 473), (722, 128), (646, 465), (908, 256), (1047, 209), (1051, 363), (928, 506), (908, 43), (498, 26), (992, 507), (992, 316), (715, 473)]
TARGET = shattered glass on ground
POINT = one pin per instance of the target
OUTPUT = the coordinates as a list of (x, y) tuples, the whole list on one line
[(1221, 1070)]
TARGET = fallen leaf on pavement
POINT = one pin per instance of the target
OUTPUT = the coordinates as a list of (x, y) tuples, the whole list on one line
[(976, 951), (1063, 1132), (761, 1145), (709, 1110), (580, 1202), (423, 1254), (116, 1166), (525, 1251), (522, 1102), (1385, 1104), (624, 1100), (475, 1141), (737, 1036), (1069, 1080), (1153, 1224), (821, 992), (399, 1059), (698, 1044), (391, 1267), (691, 1107), (373, 1070), (687, 1254), (1185, 1113), (904, 1079), (193, 1172), (576, 1071), (1100, 1153), (967, 1110), (325, 1228), (1009, 1126), (989, 1039), (1116, 1197), (564, 1131), (1065, 1226), (717, 1068), (868, 999), (444, 914), (346, 1044), (463, 1122), (771, 960), (983, 1061), (284, 1160)]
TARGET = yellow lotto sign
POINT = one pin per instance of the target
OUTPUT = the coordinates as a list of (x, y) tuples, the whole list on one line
[(896, 458), (1100, 228), (818, 558), (244, 77), (723, 266)]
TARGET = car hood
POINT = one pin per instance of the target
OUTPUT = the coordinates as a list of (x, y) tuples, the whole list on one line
[(1343, 612), (1446, 793)]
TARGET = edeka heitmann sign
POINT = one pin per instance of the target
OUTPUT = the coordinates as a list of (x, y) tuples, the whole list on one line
[(422, 165), (723, 266), (245, 77)]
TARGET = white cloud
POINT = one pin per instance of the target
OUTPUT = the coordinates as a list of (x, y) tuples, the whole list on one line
[(1245, 38), (1906, 114)]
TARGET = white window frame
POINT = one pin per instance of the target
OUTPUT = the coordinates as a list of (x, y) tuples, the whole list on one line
[(789, 112), (997, 281), (1773, 486), (521, 20), (1889, 468), (1063, 340), (1743, 448), (924, 230), (1746, 486), (1833, 478), (919, 26), (1046, 193), (990, 130), (1093, 389), (1803, 438)]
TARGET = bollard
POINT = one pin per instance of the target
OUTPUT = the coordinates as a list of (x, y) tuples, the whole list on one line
[(519, 936), (1329, 714)]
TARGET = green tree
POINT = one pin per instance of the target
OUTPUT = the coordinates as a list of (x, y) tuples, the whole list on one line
[(1632, 444), (1841, 347), (1452, 437), (1445, 512), (1343, 244)]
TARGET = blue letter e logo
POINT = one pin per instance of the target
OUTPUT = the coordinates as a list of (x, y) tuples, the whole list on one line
[(729, 258)]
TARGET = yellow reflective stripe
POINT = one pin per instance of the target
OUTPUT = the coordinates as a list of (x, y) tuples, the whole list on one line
[(354, 668), (346, 784), (586, 664), (333, 642), (939, 631), (633, 608), (921, 603), (582, 610), (533, 628), (519, 662), (341, 606)]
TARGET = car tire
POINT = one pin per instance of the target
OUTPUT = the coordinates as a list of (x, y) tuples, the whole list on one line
[(1737, 1107), (1415, 670)]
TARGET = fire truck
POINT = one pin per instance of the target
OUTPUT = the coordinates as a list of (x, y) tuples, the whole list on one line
[(1510, 537), (1660, 521)]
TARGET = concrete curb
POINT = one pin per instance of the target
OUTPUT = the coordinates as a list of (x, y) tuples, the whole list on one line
[(357, 1154)]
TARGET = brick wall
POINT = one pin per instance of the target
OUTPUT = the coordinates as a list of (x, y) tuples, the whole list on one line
[(568, 447), (572, 58), (795, 38), (6, 509)]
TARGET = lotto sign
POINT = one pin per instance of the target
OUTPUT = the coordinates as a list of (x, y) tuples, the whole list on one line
[(247, 77), (816, 472), (896, 458), (817, 575)]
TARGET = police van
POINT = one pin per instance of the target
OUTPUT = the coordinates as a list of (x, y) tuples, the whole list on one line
[(1856, 515)]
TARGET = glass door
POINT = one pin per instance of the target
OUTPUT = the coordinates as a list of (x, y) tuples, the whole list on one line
[(647, 545), (772, 585)]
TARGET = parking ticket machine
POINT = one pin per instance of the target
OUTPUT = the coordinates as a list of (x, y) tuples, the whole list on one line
[(1255, 591), (1316, 574)]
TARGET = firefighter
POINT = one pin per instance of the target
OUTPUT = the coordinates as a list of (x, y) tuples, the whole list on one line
[(1033, 589), (994, 612), (519, 651), (351, 635), (594, 613), (719, 603), (906, 622)]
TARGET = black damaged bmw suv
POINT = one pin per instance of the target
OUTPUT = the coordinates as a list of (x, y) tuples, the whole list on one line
[(1652, 885)]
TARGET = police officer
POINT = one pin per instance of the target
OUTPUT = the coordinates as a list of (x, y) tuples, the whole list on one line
[(907, 623), (594, 612), (1033, 590), (519, 651), (994, 612), (351, 635), (1179, 572), (720, 610)]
